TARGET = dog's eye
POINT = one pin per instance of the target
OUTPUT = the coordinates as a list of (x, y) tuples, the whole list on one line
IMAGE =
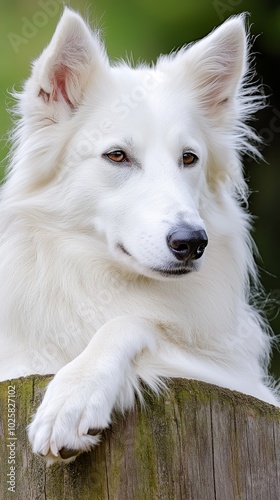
[(189, 158), (117, 156)]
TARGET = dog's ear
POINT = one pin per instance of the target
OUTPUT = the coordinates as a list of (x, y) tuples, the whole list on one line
[(62, 72), (212, 68), (218, 63)]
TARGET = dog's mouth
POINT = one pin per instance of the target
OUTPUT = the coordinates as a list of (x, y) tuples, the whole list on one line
[(123, 249), (171, 270)]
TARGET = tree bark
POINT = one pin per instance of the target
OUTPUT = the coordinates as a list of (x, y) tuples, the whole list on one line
[(196, 442)]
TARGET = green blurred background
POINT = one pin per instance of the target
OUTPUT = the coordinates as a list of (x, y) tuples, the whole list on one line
[(144, 29)]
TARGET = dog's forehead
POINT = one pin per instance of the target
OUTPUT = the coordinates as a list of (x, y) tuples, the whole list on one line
[(140, 83), (141, 107), (143, 94)]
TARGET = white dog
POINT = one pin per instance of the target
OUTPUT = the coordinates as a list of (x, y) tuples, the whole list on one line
[(125, 255)]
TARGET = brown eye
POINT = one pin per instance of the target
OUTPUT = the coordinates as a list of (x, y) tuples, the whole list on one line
[(117, 156), (189, 158)]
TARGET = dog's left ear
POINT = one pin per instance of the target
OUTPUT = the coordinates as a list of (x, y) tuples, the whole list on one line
[(214, 66), (62, 72), (218, 64)]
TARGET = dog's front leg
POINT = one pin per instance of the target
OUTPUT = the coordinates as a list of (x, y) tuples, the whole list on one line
[(79, 400)]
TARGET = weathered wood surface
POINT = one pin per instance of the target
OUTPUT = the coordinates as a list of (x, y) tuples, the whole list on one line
[(197, 442)]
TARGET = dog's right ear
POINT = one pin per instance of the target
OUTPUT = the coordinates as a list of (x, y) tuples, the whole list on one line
[(61, 74)]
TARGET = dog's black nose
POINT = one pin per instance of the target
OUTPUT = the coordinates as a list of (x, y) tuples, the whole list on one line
[(187, 243)]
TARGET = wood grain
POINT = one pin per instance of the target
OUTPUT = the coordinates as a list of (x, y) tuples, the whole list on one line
[(196, 442)]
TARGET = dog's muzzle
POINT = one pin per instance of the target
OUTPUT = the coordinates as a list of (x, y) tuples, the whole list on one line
[(187, 243)]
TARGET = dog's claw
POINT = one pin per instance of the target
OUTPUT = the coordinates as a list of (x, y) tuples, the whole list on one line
[(66, 453), (94, 431)]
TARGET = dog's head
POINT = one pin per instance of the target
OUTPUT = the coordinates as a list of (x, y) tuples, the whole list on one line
[(135, 156)]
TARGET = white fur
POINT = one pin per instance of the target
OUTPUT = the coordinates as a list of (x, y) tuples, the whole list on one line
[(72, 302)]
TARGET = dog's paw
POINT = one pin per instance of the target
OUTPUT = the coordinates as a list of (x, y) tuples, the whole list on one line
[(69, 420)]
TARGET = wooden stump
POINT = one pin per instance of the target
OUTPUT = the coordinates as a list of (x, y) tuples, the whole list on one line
[(198, 442)]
